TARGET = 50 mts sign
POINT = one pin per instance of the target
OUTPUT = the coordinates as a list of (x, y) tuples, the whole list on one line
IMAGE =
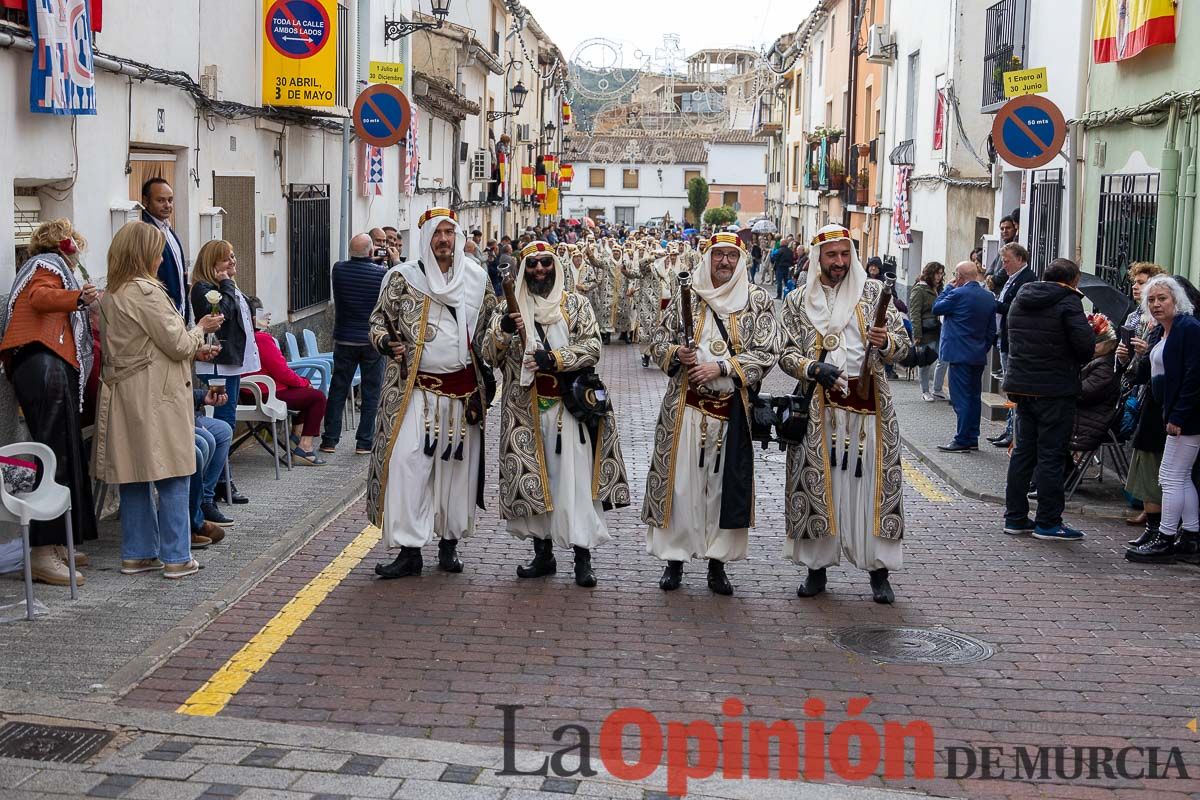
[(299, 53)]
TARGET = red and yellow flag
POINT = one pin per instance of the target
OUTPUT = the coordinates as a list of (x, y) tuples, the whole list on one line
[(527, 182), (1125, 28)]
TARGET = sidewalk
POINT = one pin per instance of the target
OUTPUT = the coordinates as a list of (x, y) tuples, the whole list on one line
[(982, 475)]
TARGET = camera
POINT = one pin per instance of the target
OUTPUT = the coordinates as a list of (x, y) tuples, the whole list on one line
[(380, 254)]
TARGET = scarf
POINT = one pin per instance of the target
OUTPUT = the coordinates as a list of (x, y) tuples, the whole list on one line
[(830, 311), (535, 308), (731, 297), (81, 326)]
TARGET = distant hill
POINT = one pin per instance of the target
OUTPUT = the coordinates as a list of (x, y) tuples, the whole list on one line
[(614, 86)]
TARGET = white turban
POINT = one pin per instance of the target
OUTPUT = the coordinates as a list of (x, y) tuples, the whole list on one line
[(731, 297), (831, 313), (535, 308)]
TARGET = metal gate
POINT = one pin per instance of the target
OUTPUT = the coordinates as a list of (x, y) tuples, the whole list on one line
[(308, 245), (1127, 224), (1045, 212)]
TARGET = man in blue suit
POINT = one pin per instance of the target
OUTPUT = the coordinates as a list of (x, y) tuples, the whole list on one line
[(968, 314)]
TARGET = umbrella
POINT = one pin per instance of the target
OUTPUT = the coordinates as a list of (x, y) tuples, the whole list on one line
[(589, 222), (572, 222), (764, 226), (1108, 299), (689, 231)]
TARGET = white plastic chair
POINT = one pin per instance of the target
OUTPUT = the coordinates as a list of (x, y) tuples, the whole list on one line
[(49, 500), (267, 409)]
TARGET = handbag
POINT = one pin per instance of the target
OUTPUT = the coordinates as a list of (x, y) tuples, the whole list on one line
[(930, 323), (762, 406), (19, 476), (584, 395)]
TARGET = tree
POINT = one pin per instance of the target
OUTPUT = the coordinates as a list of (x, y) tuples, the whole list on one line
[(720, 216), (697, 190)]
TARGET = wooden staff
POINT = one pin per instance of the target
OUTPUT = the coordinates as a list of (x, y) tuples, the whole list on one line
[(510, 295), (866, 379), (394, 338), (685, 307)]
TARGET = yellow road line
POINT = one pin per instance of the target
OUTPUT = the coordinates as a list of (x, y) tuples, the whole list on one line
[(215, 694), (916, 478)]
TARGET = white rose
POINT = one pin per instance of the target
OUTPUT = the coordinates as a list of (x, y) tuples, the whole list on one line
[(213, 297)]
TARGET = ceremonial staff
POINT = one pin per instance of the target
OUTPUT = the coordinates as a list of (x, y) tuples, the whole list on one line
[(866, 379), (510, 294), (394, 338), (685, 307)]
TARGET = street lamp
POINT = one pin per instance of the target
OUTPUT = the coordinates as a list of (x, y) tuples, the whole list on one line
[(516, 95), (395, 29)]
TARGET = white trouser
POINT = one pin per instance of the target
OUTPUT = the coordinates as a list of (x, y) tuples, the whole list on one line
[(1180, 507)]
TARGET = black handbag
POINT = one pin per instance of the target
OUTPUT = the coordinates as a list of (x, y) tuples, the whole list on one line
[(791, 413), (763, 417), (585, 396)]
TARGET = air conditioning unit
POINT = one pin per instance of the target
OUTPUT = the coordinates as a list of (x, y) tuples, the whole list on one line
[(880, 47), (523, 133), (481, 168)]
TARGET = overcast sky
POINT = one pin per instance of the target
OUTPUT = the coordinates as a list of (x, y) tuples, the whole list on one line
[(639, 25)]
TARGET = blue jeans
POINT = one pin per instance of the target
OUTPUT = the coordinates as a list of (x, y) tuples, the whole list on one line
[(204, 448), (966, 391), (164, 534), (228, 412), (781, 276), (346, 359), (220, 436)]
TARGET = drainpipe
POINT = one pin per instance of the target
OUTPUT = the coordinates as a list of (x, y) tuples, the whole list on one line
[(1189, 202), (1185, 145), (1168, 187)]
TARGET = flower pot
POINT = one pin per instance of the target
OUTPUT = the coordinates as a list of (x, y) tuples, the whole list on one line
[(861, 196), (864, 150), (837, 182)]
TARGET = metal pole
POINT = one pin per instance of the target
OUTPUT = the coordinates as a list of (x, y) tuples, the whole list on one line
[(1168, 187), (1189, 204), (347, 195)]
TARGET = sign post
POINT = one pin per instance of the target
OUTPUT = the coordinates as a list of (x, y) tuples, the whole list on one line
[(1029, 132), (300, 53)]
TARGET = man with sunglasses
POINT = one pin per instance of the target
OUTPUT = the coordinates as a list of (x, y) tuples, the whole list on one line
[(559, 472), (700, 490)]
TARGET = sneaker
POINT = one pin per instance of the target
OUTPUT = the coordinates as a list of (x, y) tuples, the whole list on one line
[(140, 565), (927, 397), (362, 451), (1059, 533), (328, 448), (81, 559), (175, 571), (211, 531), (213, 514), (1019, 528), (200, 542), (940, 396)]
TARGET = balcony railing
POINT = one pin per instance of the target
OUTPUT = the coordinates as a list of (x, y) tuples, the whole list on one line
[(1003, 48)]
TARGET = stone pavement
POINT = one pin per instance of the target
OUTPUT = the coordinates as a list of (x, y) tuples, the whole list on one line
[(1089, 650), (982, 475)]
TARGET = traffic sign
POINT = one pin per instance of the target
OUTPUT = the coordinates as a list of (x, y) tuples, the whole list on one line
[(1029, 132), (1019, 83), (381, 115), (297, 28)]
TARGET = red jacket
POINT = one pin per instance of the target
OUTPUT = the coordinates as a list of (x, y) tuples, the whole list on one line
[(274, 365)]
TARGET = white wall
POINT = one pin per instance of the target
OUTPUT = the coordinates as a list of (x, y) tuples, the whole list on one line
[(652, 198), (741, 164)]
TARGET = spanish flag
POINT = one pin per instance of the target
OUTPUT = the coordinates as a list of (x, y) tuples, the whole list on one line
[(1125, 28), (526, 182)]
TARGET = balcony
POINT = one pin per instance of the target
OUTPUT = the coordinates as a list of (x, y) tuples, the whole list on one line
[(1003, 48)]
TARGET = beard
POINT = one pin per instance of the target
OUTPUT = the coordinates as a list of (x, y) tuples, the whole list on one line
[(541, 287), (834, 279)]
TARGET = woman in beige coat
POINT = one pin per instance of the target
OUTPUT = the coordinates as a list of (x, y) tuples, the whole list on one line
[(145, 414)]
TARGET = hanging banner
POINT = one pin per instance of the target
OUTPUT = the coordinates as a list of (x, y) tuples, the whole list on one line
[(550, 204), (371, 161), (1125, 28), (62, 77), (901, 223), (526, 182), (299, 53), (412, 155)]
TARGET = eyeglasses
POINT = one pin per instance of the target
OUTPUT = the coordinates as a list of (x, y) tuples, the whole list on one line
[(541, 262)]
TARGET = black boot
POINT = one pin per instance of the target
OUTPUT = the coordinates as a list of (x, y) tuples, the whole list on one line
[(225, 494), (585, 576), (1160, 550), (1187, 547), (606, 338), (813, 584), (543, 560), (881, 590), (645, 359), (672, 576), (407, 564), (717, 580), (1152, 520), (448, 560)]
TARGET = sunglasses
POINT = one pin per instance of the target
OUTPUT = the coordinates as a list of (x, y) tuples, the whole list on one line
[(541, 262)]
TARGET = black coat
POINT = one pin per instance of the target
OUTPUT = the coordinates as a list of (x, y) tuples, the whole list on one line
[(1050, 339), (1179, 388), (1097, 403), (1022, 278), (232, 333), (1150, 433)]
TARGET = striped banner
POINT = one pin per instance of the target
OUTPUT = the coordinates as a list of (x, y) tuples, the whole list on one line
[(1125, 28), (901, 222)]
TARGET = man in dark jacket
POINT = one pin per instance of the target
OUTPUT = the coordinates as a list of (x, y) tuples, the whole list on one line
[(356, 285), (1050, 339), (1015, 260), (996, 274), (968, 314), (784, 261), (159, 201)]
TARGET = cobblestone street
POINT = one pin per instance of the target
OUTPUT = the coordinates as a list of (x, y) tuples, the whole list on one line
[(1088, 649)]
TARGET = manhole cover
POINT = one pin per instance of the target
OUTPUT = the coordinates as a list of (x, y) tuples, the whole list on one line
[(51, 742), (911, 645)]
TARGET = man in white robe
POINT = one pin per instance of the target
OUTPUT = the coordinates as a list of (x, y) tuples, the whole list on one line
[(428, 470)]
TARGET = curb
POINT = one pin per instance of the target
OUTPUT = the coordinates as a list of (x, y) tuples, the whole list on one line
[(297, 536), (1089, 511)]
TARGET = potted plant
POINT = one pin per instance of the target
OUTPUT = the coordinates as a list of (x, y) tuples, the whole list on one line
[(837, 174), (834, 135), (816, 136), (861, 186), (1011, 64), (864, 149), (814, 174)]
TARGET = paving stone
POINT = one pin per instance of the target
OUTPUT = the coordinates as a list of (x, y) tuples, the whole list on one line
[(255, 793), (173, 770), (354, 785), (560, 785), (218, 753), (13, 775), (223, 790), (458, 773), (262, 757), (62, 782), (314, 761), (112, 786), (245, 776), (361, 765), (436, 790), (156, 789), (408, 768)]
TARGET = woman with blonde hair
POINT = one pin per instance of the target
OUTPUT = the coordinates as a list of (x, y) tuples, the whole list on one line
[(46, 353), (145, 417)]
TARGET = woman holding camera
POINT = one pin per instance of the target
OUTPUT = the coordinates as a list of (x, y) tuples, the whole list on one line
[(927, 328)]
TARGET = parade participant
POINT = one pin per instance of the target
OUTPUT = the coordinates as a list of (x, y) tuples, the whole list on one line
[(624, 291), (700, 488), (558, 474), (844, 483), (584, 275), (426, 472), (604, 296), (653, 288)]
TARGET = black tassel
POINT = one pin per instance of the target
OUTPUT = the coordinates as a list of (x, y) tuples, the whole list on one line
[(449, 450), (430, 447), (701, 456), (581, 439), (458, 451), (558, 444), (858, 469), (845, 459), (717, 468)]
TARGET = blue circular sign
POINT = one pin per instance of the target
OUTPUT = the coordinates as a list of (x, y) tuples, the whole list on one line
[(297, 28), (381, 115), (1029, 132)]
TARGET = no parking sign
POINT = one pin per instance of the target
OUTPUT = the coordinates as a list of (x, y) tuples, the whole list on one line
[(300, 52)]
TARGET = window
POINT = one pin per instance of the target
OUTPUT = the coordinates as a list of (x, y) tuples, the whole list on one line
[(629, 178), (820, 64), (868, 108), (939, 106), (690, 175), (308, 245), (596, 178), (796, 103), (729, 198), (1003, 47), (910, 100), (497, 24), (795, 166), (624, 215)]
